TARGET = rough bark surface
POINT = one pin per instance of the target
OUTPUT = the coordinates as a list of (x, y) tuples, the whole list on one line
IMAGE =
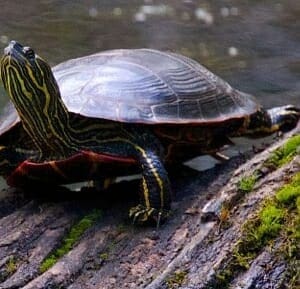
[(115, 254)]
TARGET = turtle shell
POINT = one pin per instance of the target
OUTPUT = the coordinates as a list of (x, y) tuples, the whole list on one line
[(148, 86), (144, 86)]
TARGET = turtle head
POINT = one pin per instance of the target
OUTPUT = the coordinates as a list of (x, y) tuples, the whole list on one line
[(30, 83), (22, 53), (26, 76)]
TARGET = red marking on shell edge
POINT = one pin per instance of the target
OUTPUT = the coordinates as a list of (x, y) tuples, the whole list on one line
[(88, 155), (107, 158), (21, 169), (78, 167)]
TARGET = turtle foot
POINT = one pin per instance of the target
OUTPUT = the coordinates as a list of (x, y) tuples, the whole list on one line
[(286, 117), (143, 215)]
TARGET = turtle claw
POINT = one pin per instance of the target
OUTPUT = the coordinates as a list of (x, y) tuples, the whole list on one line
[(142, 215)]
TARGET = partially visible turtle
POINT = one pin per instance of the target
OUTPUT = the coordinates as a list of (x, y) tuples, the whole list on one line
[(117, 109)]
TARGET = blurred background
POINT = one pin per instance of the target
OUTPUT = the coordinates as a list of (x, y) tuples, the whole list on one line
[(254, 45)]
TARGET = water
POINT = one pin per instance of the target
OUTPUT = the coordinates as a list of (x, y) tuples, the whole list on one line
[(254, 45)]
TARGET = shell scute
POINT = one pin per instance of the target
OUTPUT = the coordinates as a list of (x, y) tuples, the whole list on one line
[(148, 86)]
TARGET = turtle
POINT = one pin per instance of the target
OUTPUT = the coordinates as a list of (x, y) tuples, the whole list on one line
[(119, 111)]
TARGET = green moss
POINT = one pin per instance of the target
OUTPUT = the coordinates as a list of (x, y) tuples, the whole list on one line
[(72, 237), (285, 153), (271, 220), (298, 204), (104, 256), (241, 259), (223, 278), (263, 228), (278, 215), (290, 192), (176, 280), (246, 184), (11, 266), (289, 196), (48, 263)]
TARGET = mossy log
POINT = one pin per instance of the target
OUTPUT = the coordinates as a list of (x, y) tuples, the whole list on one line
[(57, 238)]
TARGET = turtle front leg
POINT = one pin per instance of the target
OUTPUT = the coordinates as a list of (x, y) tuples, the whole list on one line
[(155, 189), (140, 144)]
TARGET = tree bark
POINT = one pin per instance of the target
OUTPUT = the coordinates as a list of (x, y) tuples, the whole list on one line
[(188, 251)]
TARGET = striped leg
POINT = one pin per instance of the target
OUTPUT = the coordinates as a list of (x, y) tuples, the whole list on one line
[(140, 144), (155, 190)]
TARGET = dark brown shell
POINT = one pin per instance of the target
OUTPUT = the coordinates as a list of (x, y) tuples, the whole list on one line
[(144, 86), (148, 86)]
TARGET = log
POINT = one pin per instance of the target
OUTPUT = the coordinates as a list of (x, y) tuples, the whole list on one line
[(194, 249)]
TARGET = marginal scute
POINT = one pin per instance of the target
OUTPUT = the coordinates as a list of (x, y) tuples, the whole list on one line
[(209, 107), (166, 112), (188, 109)]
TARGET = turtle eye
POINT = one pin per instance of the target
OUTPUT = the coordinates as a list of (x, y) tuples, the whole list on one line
[(29, 53)]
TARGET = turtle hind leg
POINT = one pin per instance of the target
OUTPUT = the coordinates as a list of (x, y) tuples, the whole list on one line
[(155, 190), (265, 122), (284, 118)]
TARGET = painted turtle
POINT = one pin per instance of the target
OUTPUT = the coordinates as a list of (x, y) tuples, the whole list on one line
[(99, 114)]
